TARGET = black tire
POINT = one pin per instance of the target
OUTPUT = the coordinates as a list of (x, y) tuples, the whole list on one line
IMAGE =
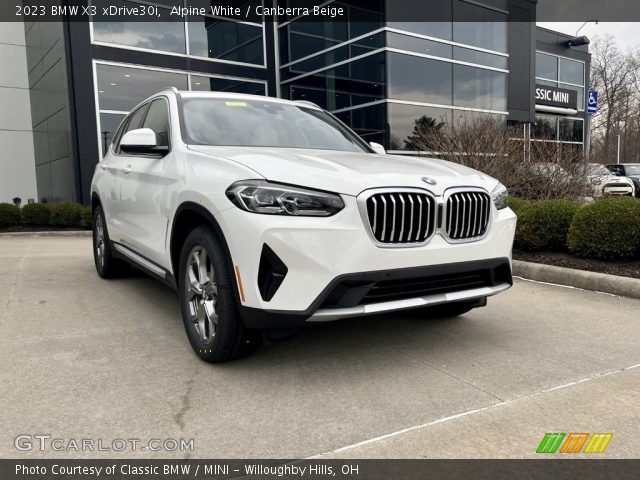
[(107, 265), (211, 318), (449, 310)]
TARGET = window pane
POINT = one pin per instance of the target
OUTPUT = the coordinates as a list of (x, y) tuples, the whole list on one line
[(430, 81), (546, 66), (478, 88), (579, 90), (480, 58), (571, 130), (571, 71), (404, 119), (489, 35), (162, 36), (431, 29), (368, 122), (210, 84), (108, 125), (545, 128), (158, 120), (413, 44), (122, 88), (343, 86), (225, 40)]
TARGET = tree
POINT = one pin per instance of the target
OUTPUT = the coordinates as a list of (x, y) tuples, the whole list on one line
[(424, 127)]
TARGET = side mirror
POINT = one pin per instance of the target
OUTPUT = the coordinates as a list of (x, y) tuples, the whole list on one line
[(377, 148), (141, 140)]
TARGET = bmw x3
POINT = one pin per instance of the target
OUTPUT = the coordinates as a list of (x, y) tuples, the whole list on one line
[(270, 214)]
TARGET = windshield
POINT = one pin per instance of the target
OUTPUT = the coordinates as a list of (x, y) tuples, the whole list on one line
[(256, 123)]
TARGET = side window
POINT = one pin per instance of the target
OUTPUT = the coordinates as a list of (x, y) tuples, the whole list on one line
[(158, 120), (133, 122)]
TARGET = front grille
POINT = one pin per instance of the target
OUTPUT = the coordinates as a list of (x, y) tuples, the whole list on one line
[(467, 215), (389, 290), (386, 286), (401, 217)]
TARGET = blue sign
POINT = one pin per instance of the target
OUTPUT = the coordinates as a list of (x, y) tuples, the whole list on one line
[(592, 101)]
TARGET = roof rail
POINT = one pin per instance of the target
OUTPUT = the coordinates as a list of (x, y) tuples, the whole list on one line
[(307, 102), (172, 89)]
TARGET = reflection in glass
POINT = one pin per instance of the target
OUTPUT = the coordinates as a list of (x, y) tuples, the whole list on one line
[(545, 128), (343, 86), (122, 88), (429, 81), (368, 122), (226, 40), (546, 66), (571, 130), (406, 120), (478, 88), (480, 58), (431, 29), (108, 124), (211, 84), (162, 36), (419, 45), (571, 71), (489, 35)]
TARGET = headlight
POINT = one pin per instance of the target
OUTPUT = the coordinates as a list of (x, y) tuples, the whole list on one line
[(259, 196), (500, 196)]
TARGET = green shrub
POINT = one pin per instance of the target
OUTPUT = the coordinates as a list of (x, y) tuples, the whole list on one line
[(9, 215), (66, 215), (517, 204), (87, 217), (608, 229), (36, 214), (544, 225)]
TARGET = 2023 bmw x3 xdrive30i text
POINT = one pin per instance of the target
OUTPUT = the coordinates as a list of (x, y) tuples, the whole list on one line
[(266, 213)]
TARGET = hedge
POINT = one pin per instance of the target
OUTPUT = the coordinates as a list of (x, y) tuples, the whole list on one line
[(544, 225), (66, 215), (36, 214), (9, 215), (517, 204), (609, 228)]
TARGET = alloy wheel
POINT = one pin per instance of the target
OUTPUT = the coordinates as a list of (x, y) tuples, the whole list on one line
[(202, 294), (99, 240)]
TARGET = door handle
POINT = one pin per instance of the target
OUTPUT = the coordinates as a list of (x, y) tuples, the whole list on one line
[(127, 170)]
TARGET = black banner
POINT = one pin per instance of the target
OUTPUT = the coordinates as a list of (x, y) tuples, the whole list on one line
[(317, 469), (322, 10), (556, 97)]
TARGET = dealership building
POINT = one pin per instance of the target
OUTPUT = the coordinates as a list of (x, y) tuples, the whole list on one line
[(373, 69)]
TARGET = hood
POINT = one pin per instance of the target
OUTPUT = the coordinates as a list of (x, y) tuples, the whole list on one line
[(350, 173)]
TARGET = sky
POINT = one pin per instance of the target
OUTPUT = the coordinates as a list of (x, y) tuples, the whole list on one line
[(627, 34)]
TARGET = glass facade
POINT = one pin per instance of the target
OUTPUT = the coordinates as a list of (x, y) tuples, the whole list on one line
[(383, 78)]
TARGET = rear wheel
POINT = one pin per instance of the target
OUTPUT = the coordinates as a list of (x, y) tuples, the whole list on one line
[(209, 309), (107, 265)]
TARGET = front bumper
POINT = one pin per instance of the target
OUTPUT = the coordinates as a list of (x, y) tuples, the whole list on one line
[(318, 252), (619, 189)]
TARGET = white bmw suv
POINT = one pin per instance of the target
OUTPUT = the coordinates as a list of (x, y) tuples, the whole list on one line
[(266, 213)]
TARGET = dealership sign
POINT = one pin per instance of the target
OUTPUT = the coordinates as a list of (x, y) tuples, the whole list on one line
[(556, 98)]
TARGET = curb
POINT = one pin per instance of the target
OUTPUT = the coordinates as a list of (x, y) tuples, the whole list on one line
[(53, 233), (599, 282)]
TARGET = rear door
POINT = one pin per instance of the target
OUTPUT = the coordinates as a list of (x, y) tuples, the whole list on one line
[(143, 222)]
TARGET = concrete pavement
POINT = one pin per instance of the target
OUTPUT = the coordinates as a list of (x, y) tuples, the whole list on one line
[(81, 357)]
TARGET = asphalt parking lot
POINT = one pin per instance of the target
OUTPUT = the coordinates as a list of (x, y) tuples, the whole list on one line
[(81, 357)]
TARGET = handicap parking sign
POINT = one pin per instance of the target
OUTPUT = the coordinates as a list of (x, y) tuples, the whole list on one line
[(592, 101)]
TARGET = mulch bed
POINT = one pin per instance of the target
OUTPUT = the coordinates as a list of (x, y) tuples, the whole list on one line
[(624, 269)]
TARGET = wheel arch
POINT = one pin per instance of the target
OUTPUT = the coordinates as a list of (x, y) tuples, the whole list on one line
[(188, 216), (95, 201)]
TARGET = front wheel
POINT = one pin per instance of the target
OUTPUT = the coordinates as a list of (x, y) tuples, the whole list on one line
[(209, 309), (107, 265)]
